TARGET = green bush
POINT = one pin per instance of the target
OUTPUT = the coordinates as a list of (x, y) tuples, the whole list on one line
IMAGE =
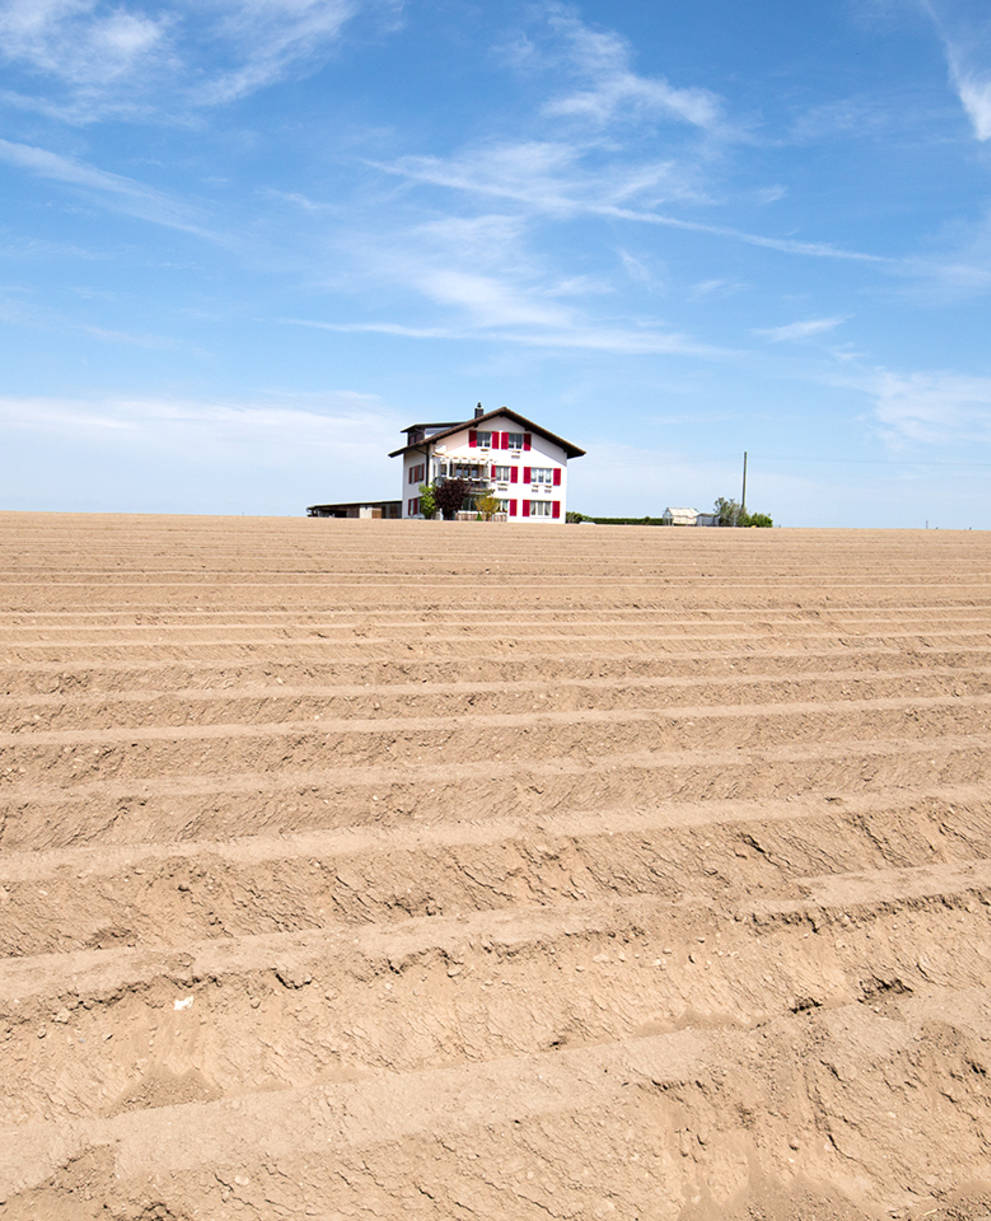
[(428, 502)]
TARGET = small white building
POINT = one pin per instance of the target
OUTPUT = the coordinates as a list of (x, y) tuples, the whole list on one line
[(680, 517), (522, 465)]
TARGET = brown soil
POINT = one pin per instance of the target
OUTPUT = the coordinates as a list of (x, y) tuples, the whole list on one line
[(415, 870)]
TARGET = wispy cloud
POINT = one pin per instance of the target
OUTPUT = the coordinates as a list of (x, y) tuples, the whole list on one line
[(600, 62), (198, 454), (82, 43), (797, 332), (99, 59), (965, 31), (268, 38), (931, 407), (715, 288), (482, 278), (339, 421), (535, 175), (639, 270), (116, 191), (617, 340)]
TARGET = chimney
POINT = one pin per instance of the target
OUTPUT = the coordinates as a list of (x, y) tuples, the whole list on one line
[(478, 411)]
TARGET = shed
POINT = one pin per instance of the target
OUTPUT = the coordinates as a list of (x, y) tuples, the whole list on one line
[(680, 517), (358, 508)]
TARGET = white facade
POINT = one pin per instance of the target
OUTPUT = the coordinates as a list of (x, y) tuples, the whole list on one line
[(524, 469)]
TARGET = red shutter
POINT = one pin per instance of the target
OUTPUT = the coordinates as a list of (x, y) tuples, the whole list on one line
[(512, 508), (492, 476), (555, 508), (513, 473), (526, 508), (557, 476), (526, 474), (505, 440), (527, 438), (472, 439)]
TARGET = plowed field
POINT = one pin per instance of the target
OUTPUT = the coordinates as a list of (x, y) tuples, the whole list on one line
[(415, 870)]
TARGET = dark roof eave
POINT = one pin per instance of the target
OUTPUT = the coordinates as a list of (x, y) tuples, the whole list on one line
[(433, 424)]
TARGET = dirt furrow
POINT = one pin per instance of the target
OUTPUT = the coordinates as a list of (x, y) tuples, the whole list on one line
[(278, 704), (474, 988), (548, 669), (157, 896), (422, 870)]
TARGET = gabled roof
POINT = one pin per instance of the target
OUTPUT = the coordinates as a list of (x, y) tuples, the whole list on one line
[(528, 426)]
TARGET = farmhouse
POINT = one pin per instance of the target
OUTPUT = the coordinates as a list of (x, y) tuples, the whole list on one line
[(521, 464)]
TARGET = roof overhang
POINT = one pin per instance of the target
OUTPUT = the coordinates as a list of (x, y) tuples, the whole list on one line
[(572, 451)]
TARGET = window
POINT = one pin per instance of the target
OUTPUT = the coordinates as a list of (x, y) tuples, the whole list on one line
[(542, 474), (502, 474), (504, 506), (464, 470), (484, 439), (514, 440), (540, 508)]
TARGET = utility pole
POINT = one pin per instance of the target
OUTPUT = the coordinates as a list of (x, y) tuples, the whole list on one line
[(743, 495)]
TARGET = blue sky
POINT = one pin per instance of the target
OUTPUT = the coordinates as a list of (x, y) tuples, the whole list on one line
[(244, 242)]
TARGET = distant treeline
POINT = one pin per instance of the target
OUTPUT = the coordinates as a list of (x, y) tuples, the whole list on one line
[(618, 521), (726, 512)]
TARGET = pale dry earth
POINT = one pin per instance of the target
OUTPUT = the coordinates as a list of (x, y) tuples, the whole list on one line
[(415, 870)]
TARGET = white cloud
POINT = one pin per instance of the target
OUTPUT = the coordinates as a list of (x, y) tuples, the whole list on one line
[(80, 42), (116, 191), (547, 178), (120, 59), (795, 332), (966, 35), (580, 336), (932, 407), (975, 97), (488, 300), (258, 454), (608, 89), (268, 38), (341, 421), (638, 269), (706, 290)]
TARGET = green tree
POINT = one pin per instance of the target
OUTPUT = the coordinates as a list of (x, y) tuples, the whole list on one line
[(428, 500), (728, 512)]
